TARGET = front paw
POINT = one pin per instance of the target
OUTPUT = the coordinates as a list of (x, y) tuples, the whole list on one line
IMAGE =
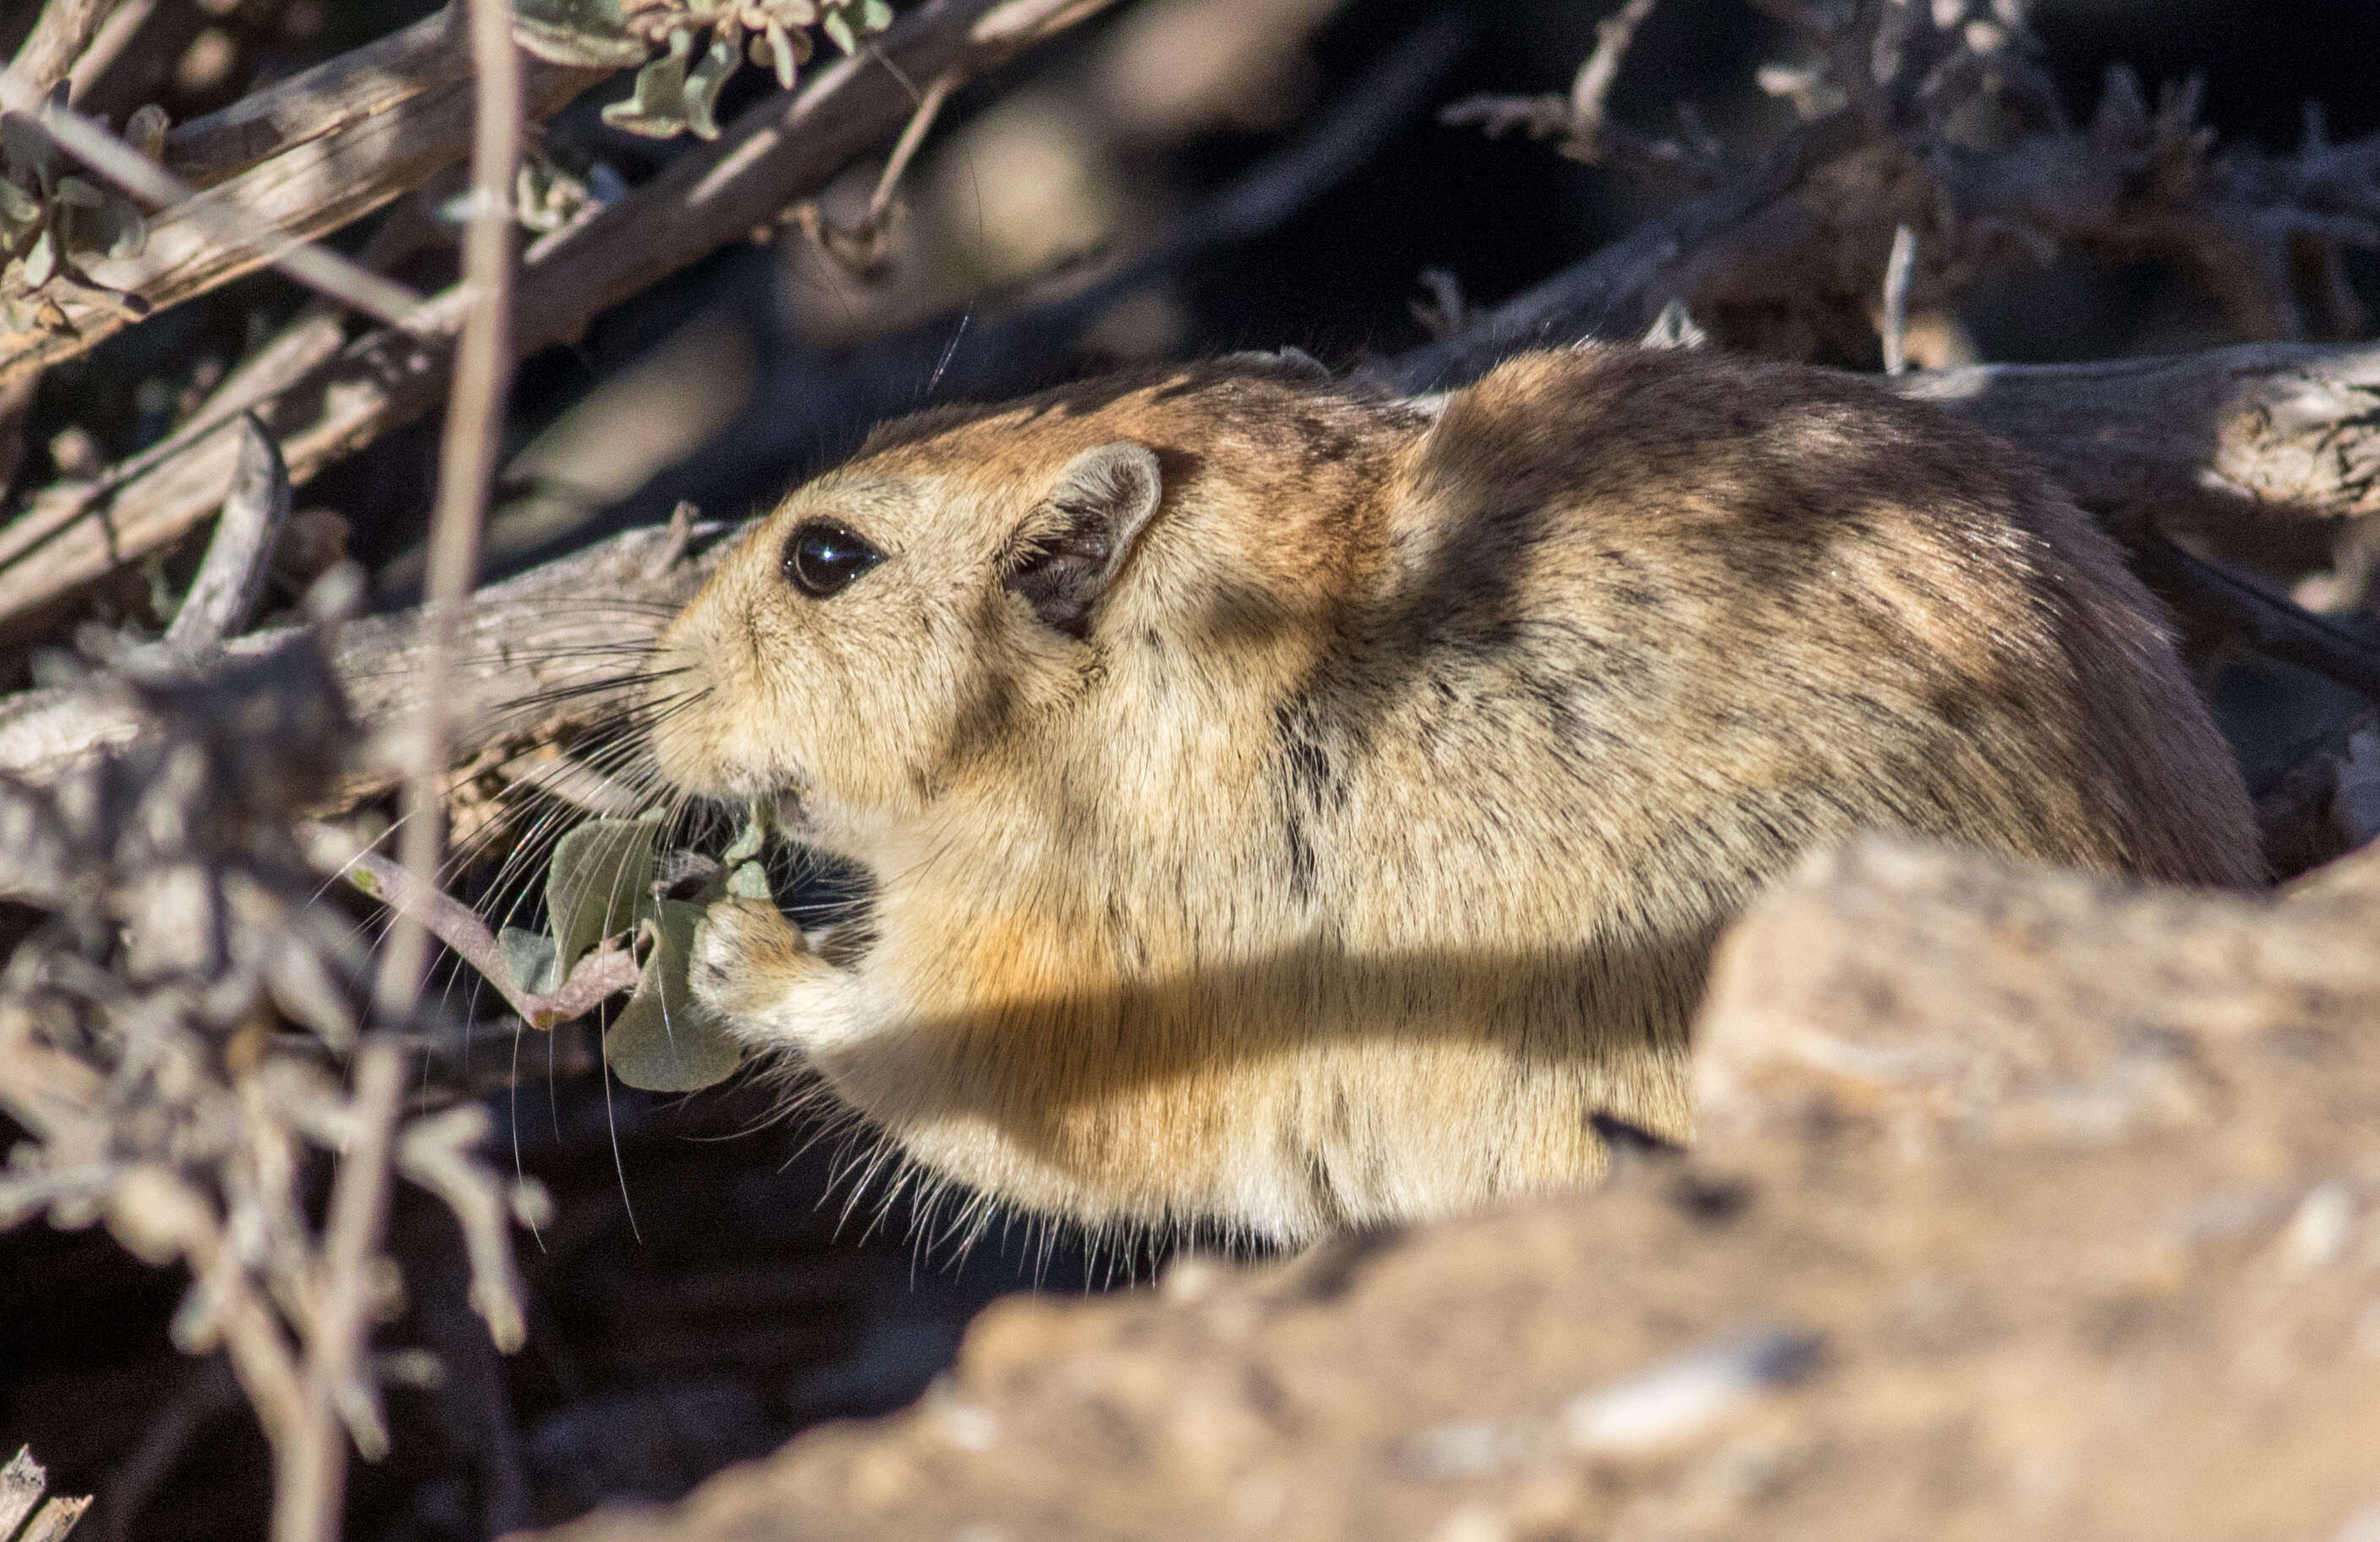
[(746, 957)]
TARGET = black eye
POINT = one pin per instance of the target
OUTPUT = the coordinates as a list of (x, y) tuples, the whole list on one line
[(824, 558)]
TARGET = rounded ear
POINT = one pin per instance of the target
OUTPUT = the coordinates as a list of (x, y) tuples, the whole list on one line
[(1076, 537)]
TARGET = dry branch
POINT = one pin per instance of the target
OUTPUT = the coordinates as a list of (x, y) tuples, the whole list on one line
[(319, 267), (2208, 441), (533, 654), (378, 78), (22, 1483), (63, 30), (781, 151), (169, 1040), (1955, 133), (329, 179), (466, 469), (231, 577)]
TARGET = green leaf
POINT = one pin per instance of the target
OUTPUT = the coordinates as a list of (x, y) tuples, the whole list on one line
[(664, 1040), (837, 27), (590, 35), (657, 108), (42, 261), (875, 16), (601, 880), (20, 210), (757, 821), (749, 881), (780, 47), (721, 59), (529, 956)]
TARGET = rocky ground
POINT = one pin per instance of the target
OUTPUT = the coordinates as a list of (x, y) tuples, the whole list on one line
[(2025, 1206)]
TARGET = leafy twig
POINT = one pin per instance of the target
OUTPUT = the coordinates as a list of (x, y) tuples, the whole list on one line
[(595, 978)]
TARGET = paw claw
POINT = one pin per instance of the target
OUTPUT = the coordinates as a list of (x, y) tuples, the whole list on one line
[(745, 955)]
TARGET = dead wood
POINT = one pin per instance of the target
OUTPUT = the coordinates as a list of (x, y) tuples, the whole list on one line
[(779, 152), (378, 78), (2207, 440), (1919, 120), (22, 1483), (63, 31), (534, 657), (327, 180)]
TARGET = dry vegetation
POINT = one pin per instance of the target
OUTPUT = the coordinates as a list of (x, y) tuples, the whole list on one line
[(208, 1049)]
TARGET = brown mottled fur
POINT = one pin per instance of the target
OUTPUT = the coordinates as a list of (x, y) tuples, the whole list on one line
[(1375, 833)]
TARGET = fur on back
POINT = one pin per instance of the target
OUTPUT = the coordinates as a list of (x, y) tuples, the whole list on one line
[(1375, 833)]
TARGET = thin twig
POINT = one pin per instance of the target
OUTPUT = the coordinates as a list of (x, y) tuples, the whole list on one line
[(466, 467), (311, 1477), (594, 980), (318, 267), (779, 152), (231, 577), (106, 45), (50, 50), (1590, 93), (912, 136), (1897, 271)]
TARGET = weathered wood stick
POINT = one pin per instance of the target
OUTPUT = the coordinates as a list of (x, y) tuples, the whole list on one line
[(781, 151), (341, 170), (378, 78), (534, 655), (2207, 439)]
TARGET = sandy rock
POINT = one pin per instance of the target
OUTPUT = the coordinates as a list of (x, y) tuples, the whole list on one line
[(2027, 1206)]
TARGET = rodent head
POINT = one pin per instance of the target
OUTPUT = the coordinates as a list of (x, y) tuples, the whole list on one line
[(924, 616), (892, 620)]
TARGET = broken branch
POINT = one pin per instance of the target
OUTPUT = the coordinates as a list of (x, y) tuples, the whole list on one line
[(778, 152)]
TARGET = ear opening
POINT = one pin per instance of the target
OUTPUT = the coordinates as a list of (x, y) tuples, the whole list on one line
[(1077, 536)]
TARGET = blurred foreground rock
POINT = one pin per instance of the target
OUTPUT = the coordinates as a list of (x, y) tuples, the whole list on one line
[(2026, 1206)]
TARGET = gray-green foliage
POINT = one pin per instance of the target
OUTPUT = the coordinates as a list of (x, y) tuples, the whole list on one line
[(600, 888), (52, 221), (664, 1040), (678, 87), (600, 878)]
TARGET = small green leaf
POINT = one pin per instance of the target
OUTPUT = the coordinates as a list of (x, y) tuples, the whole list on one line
[(589, 34), (20, 210), (779, 47), (42, 261), (600, 881), (757, 821), (837, 27), (875, 16), (703, 84), (657, 108), (529, 956), (664, 1040), (749, 881)]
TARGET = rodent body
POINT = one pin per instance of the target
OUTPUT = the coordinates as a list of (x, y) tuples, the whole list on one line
[(1296, 810)]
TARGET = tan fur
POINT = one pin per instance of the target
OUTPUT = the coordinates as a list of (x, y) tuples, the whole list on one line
[(1376, 833)]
